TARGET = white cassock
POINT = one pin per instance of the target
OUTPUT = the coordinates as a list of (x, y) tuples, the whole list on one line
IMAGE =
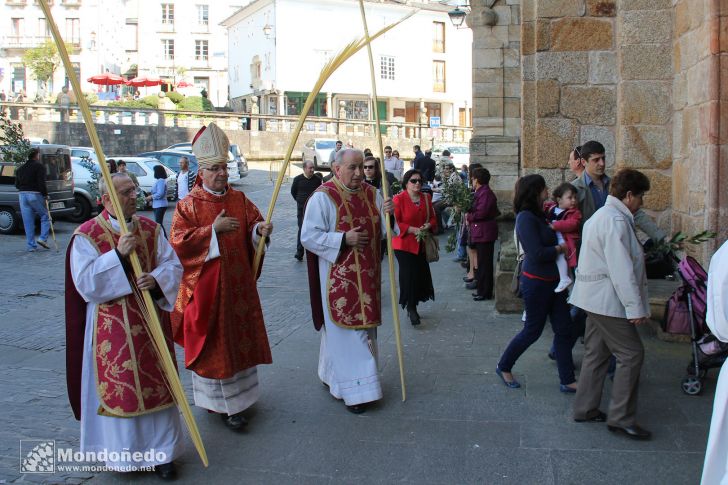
[(715, 468), (98, 279), (348, 357)]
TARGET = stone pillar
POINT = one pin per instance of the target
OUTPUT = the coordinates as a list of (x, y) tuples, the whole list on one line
[(254, 111), (496, 115), (281, 104), (329, 107), (645, 60)]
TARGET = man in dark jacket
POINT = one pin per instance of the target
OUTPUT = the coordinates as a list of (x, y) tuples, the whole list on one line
[(30, 180), (426, 165), (301, 189)]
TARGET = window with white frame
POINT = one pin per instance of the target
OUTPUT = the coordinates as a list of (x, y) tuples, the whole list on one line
[(168, 49), (168, 13), (201, 50), (203, 14), (73, 31), (386, 67)]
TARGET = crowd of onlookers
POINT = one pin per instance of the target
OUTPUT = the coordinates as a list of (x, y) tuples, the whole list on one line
[(582, 263)]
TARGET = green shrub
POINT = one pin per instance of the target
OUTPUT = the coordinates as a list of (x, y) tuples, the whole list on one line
[(151, 101), (195, 103), (91, 98), (131, 104), (175, 97)]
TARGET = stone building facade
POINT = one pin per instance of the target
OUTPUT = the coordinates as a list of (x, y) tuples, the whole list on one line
[(647, 78)]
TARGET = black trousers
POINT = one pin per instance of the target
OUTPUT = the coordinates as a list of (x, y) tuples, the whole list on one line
[(299, 246), (484, 274)]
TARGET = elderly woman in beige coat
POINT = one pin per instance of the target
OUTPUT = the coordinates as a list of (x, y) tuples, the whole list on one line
[(611, 286)]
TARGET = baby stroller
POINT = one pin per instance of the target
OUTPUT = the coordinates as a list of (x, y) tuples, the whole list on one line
[(685, 314)]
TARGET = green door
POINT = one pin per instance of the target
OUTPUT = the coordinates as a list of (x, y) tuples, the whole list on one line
[(382, 110)]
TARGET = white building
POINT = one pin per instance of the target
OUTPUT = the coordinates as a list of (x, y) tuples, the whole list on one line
[(181, 40), (278, 48), (88, 26)]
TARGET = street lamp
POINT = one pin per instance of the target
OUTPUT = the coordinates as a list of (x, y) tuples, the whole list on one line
[(457, 16)]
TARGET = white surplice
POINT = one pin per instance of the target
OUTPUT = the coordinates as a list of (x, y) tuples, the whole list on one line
[(715, 468), (348, 357), (98, 279), (237, 393)]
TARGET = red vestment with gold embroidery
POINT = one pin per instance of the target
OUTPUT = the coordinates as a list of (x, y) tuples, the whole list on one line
[(353, 283), (217, 317), (129, 379)]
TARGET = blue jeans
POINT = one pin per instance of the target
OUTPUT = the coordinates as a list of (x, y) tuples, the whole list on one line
[(541, 302), (32, 204)]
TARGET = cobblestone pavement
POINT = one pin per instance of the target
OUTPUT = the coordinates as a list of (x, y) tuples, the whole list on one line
[(458, 425)]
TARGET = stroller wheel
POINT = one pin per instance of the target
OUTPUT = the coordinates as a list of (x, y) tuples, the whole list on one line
[(692, 385)]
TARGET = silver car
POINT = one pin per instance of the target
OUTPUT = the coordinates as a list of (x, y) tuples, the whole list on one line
[(143, 168), (237, 165), (318, 151)]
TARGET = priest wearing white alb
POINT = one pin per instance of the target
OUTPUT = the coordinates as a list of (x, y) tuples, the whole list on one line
[(715, 468), (115, 382), (342, 231)]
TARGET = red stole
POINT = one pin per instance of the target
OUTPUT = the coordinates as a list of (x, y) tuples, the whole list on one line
[(353, 284), (129, 381), (217, 317)]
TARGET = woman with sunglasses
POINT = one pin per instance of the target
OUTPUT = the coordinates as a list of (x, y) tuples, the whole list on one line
[(413, 212), (372, 175)]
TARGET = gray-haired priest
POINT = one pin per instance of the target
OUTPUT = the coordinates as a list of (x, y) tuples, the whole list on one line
[(217, 317), (115, 382), (343, 227)]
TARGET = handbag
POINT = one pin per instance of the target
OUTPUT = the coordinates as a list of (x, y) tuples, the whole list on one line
[(432, 245), (516, 280)]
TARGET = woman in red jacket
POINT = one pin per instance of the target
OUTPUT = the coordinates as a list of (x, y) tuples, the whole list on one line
[(413, 212)]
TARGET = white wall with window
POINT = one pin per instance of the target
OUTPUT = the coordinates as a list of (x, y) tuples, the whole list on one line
[(424, 58), (94, 34), (200, 44)]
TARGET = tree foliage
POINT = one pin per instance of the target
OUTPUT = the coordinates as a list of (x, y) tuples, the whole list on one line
[(14, 147), (43, 60), (195, 103)]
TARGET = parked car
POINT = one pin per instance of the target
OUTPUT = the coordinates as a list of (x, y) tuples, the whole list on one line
[(37, 140), (143, 168), (59, 181), (84, 152), (318, 151), (459, 155), (84, 199), (171, 158), (237, 165)]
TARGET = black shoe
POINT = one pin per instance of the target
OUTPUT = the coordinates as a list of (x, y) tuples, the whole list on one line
[(467, 279), (634, 432), (598, 417), (472, 285), (235, 422), (299, 257), (414, 317), (464, 264), (552, 356), (479, 298), (166, 471), (357, 408)]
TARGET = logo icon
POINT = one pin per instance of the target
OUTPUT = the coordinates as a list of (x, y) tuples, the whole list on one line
[(37, 456)]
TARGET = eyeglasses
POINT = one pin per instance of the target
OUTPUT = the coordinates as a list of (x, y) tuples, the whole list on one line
[(368, 167), (218, 168), (415, 181)]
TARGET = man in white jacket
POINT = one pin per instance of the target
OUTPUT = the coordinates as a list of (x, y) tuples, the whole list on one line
[(611, 286)]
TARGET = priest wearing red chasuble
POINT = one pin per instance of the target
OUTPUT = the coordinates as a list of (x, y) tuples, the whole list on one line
[(342, 230), (115, 382), (217, 317)]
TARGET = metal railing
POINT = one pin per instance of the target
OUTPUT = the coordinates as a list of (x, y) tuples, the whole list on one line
[(321, 127)]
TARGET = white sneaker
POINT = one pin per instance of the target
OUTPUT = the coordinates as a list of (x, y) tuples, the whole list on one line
[(563, 284), (523, 317)]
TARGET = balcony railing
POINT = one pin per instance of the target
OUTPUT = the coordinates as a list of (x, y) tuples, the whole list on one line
[(314, 126), (23, 41), (19, 3)]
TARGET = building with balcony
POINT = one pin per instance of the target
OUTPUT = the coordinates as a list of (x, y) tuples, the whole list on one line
[(86, 26), (181, 41), (277, 49)]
